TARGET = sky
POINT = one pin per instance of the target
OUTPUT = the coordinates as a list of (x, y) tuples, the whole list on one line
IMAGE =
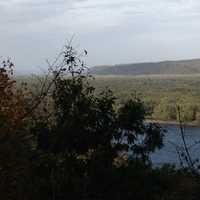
[(112, 31)]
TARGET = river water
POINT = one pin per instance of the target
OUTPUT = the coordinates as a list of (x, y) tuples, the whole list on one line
[(172, 139)]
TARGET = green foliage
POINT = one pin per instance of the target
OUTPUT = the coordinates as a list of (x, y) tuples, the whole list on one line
[(166, 110), (84, 147), (161, 94)]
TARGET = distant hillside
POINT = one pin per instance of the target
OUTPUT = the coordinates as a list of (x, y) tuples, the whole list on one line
[(166, 67)]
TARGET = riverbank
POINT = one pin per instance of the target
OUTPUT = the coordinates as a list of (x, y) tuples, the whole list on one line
[(192, 124)]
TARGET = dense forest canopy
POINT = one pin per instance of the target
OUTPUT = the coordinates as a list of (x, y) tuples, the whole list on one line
[(160, 94)]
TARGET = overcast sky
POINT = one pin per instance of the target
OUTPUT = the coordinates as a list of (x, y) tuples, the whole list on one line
[(113, 31)]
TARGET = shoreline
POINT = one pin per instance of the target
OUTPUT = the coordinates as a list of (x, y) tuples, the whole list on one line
[(189, 124)]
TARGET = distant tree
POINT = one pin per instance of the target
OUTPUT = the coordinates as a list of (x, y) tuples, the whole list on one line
[(166, 109)]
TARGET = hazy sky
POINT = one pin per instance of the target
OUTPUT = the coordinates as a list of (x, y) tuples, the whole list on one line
[(113, 31)]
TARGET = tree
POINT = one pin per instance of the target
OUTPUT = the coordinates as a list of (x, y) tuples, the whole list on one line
[(90, 135), (90, 149), (14, 149)]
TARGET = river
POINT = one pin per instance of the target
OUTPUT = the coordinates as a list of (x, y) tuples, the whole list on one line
[(168, 153)]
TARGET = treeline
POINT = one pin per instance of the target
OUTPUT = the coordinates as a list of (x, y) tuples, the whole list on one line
[(167, 109), (63, 141), (165, 67), (161, 95)]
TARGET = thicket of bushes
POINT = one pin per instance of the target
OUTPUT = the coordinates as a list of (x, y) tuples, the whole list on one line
[(66, 142)]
